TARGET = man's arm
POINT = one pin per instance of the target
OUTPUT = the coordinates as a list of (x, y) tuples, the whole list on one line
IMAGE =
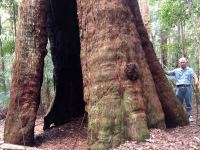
[(170, 73), (195, 80), (195, 77)]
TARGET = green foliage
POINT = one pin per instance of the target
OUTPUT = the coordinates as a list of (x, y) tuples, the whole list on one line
[(4, 98), (8, 46), (7, 59), (48, 71), (196, 7), (173, 12), (178, 21), (8, 12), (8, 5), (6, 75)]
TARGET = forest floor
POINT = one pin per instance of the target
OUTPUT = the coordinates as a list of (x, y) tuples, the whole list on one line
[(73, 136)]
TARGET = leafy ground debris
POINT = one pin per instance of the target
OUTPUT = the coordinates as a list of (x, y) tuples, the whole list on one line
[(73, 136)]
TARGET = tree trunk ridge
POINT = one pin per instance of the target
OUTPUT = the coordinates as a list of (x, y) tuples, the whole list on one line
[(174, 112)]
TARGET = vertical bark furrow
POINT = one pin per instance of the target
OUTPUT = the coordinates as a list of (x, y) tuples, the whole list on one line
[(155, 115)]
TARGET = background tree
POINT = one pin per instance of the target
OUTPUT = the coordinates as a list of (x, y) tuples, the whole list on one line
[(2, 62), (6, 57), (10, 7), (174, 17), (144, 9)]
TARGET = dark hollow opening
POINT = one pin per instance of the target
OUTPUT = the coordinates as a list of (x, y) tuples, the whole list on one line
[(64, 37)]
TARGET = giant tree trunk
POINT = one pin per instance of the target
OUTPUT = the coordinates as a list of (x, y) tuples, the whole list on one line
[(27, 73), (115, 40), (125, 88)]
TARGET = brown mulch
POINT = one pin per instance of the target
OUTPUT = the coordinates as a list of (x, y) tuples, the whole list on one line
[(70, 136), (73, 136), (180, 138)]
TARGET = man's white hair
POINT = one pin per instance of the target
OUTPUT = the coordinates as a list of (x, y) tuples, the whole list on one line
[(182, 59)]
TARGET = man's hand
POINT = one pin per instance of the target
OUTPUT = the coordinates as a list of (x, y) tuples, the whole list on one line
[(197, 85), (196, 81)]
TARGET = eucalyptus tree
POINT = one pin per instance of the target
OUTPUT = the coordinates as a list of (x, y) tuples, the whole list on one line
[(100, 49)]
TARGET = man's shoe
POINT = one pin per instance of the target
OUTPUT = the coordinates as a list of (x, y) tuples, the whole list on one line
[(191, 119)]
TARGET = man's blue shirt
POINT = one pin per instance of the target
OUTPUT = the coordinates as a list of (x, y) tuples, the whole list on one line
[(182, 76)]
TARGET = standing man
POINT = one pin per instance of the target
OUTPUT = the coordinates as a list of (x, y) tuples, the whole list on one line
[(184, 76)]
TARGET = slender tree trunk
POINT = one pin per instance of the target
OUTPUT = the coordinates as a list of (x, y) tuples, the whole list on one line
[(163, 48), (198, 47), (47, 93), (46, 97), (196, 24), (182, 39), (144, 9), (3, 81), (12, 10), (27, 73), (180, 52), (14, 17)]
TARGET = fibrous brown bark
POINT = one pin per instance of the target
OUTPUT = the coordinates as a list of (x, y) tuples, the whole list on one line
[(113, 36), (174, 113), (108, 46), (116, 109), (27, 73)]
